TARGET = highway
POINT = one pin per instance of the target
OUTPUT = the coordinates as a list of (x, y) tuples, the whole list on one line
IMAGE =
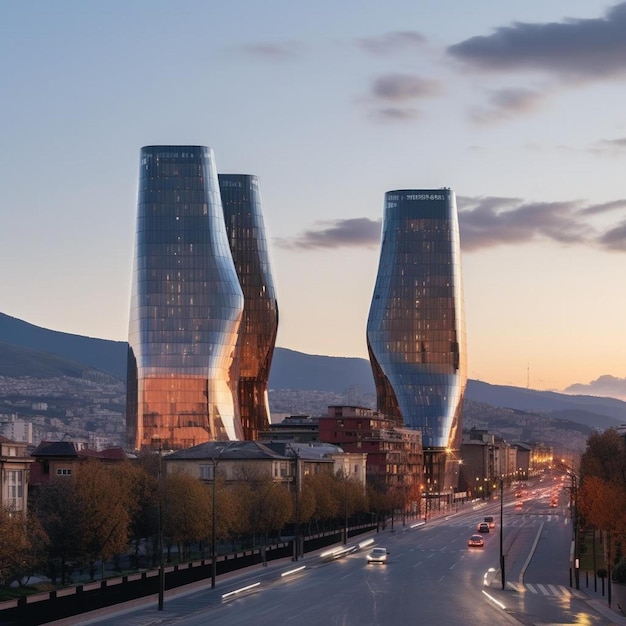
[(431, 577)]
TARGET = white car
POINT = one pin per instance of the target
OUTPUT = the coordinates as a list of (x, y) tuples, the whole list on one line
[(377, 555)]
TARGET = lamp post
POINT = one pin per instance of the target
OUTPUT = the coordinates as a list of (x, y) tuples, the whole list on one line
[(215, 461), (502, 531), (160, 530), (574, 553), (296, 453), (345, 508)]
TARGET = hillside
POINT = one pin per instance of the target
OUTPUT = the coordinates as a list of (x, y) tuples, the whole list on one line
[(101, 354)]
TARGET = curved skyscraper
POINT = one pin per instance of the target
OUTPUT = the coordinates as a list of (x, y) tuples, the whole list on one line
[(186, 306), (416, 324), (241, 200)]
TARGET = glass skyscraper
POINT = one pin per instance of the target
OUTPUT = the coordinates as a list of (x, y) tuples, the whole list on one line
[(186, 306), (241, 200), (416, 323)]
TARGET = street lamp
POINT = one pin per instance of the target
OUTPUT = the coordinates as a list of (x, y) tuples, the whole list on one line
[(215, 461), (160, 530), (296, 452), (345, 508), (502, 531)]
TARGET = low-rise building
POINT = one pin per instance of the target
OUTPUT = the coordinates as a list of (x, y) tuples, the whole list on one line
[(14, 475)]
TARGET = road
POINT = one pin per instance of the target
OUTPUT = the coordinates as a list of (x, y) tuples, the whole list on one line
[(431, 577)]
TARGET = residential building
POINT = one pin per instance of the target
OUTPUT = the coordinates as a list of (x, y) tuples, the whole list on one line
[(234, 461), (241, 202), (59, 459), (416, 325), (299, 428), (186, 306), (394, 454), (317, 457), (15, 466)]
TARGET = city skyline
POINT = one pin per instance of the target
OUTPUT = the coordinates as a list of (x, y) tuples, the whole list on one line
[(514, 107)]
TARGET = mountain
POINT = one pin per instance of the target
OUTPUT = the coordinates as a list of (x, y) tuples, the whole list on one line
[(26, 349), (296, 370), (101, 354)]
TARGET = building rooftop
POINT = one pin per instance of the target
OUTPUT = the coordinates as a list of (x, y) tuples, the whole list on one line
[(234, 450)]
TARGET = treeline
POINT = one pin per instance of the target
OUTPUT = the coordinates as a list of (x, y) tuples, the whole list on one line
[(104, 512)]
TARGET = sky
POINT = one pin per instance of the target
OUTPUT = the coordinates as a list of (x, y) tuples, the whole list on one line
[(518, 107)]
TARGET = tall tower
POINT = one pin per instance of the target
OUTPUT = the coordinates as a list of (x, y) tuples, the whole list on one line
[(416, 324), (241, 200), (186, 306)]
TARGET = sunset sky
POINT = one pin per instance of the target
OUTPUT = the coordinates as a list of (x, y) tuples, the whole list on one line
[(518, 107)]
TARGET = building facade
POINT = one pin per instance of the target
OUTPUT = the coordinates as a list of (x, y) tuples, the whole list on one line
[(186, 306), (416, 324), (241, 201), (394, 454), (14, 475)]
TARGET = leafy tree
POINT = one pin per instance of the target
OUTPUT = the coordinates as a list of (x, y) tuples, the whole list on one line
[(602, 491), (58, 511), (263, 505), (104, 494), (22, 546), (327, 497), (186, 512), (144, 483)]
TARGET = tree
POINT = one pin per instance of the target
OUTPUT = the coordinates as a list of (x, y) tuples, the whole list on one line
[(145, 520), (602, 493), (186, 512), (58, 511), (22, 546), (264, 505), (104, 494)]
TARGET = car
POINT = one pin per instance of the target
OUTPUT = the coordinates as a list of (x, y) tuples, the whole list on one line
[(489, 519), (476, 541), (483, 527), (377, 555)]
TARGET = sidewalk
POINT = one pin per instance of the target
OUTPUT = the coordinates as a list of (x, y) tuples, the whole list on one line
[(600, 602), (588, 594)]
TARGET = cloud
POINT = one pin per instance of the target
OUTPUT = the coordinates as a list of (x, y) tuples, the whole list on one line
[(614, 239), (610, 146), (390, 43), (403, 87), (396, 114), (605, 207), (606, 385), (359, 232), (486, 222), (507, 103), (573, 49), (393, 96), (273, 51)]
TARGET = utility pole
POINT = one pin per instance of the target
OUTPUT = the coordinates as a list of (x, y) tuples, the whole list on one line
[(502, 531), (160, 521)]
